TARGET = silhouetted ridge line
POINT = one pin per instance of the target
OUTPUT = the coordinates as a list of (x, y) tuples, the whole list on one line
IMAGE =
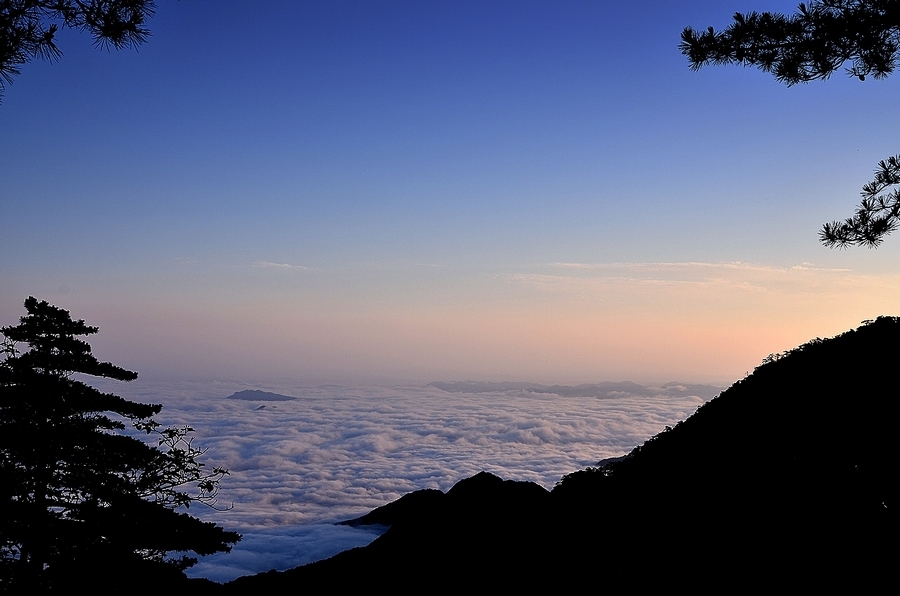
[(407, 506)]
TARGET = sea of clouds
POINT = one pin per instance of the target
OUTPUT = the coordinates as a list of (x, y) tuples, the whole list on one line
[(336, 452)]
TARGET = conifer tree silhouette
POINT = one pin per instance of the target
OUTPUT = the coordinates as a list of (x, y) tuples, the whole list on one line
[(28, 28), (83, 502), (820, 38)]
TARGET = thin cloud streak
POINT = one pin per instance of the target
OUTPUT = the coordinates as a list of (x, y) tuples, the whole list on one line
[(802, 278), (696, 267), (272, 265)]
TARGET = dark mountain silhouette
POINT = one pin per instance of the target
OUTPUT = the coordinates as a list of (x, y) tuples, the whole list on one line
[(462, 531), (787, 480), (257, 395), (609, 460), (481, 496), (409, 505), (606, 389)]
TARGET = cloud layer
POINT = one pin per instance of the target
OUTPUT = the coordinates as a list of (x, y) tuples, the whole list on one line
[(338, 452)]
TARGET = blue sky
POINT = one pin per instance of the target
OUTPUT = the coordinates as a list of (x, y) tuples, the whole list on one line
[(435, 190)]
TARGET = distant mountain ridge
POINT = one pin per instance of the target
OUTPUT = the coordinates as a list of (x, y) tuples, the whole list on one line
[(606, 389), (257, 395)]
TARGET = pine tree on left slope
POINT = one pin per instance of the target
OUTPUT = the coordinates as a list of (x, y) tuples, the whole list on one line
[(83, 502)]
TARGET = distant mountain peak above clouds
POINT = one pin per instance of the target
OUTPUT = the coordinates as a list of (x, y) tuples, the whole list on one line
[(257, 395), (606, 389)]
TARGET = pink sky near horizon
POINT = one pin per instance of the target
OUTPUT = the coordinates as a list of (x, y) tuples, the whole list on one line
[(561, 323)]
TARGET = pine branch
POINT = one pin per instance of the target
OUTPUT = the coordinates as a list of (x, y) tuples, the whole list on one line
[(877, 215), (809, 45), (28, 28)]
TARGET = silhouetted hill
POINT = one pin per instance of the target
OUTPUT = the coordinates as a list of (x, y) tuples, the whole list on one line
[(409, 505), (792, 469), (466, 530), (787, 480)]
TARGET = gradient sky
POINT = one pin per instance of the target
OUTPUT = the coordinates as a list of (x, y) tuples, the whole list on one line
[(380, 191)]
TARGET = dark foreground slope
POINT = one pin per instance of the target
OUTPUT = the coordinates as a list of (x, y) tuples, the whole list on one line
[(788, 477), (791, 471)]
